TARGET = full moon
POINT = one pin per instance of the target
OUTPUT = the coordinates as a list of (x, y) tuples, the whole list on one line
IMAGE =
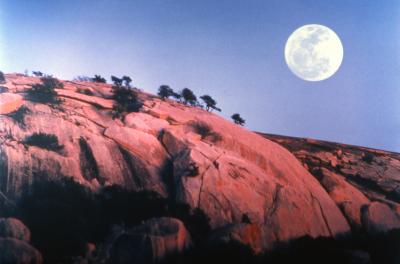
[(313, 52)]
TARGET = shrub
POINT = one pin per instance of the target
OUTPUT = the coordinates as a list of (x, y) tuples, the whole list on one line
[(38, 73), (368, 157), (45, 92), (165, 91), (85, 91), (19, 115), (127, 80), (238, 119), (99, 79), (126, 100), (2, 78), (205, 131), (117, 81), (44, 141), (210, 103), (3, 89), (177, 96), (189, 97), (82, 78)]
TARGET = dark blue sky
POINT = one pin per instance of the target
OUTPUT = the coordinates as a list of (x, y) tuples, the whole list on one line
[(232, 50)]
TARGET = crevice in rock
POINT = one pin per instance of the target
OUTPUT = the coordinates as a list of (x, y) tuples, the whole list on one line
[(3, 171), (373, 186), (167, 170), (160, 139), (131, 167), (200, 191), (323, 215), (89, 119), (275, 200), (167, 174), (212, 163), (364, 216), (88, 164)]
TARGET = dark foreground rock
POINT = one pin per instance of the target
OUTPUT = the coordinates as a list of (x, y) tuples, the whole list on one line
[(150, 242), (18, 252)]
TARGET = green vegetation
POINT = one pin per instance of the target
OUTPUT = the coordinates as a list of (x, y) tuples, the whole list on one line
[(85, 91), (45, 92), (368, 157), (2, 77), (165, 92), (125, 97), (189, 97), (117, 81), (82, 78), (127, 80), (205, 131), (38, 73), (19, 115), (44, 141), (210, 103), (238, 119), (99, 79)]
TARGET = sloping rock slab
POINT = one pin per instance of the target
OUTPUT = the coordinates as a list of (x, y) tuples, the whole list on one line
[(9, 103)]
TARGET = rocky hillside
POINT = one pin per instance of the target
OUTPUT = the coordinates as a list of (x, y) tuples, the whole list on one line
[(255, 190), (363, 182)]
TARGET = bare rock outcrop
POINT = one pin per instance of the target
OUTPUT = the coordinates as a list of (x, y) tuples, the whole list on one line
[(9, 102), (363, 182), (378, 217), (189, 156)]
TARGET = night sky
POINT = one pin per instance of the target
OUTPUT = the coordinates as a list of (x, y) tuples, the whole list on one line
[(232, 50)]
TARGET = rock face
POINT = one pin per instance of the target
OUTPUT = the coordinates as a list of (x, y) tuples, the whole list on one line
[(245, 184), (363, 182), (14, 243), (9, 102), (14, 228), (18, 252), (150, 242)]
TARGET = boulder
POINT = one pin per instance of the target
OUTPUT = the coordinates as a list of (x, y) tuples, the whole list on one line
[(14, 228), (9, 103), (378, 217), (345, 195), (18, 252)]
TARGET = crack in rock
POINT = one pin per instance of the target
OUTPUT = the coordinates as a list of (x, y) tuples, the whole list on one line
[(322, 214)]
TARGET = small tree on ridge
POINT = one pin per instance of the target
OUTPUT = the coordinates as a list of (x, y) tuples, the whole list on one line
[(165, 91), (210, 103), (238, 119), (189, 97)]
